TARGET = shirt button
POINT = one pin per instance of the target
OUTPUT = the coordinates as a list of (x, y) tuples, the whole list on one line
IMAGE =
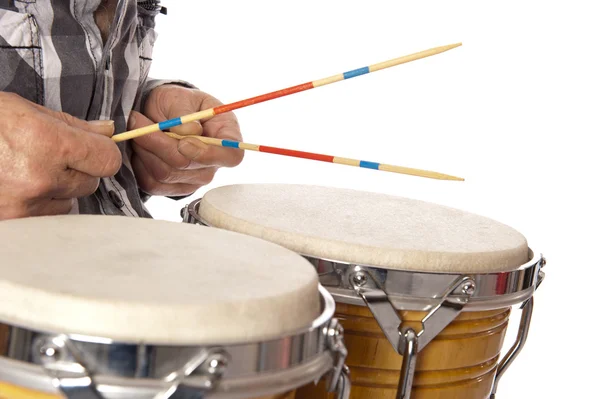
[(114, 197)]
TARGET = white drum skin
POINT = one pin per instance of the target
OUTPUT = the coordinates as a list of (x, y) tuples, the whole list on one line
[(366, 228), (142, 280)]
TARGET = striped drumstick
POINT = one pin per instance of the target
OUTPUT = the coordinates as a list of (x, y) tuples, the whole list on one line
[(318, 157), (209, 113)]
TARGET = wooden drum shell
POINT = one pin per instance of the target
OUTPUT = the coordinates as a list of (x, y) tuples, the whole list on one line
[(460, 363)]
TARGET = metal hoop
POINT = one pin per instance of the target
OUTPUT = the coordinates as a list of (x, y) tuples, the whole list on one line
[(81, 367)]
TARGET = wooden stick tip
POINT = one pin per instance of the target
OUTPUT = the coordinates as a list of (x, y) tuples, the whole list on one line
[(451, 46)]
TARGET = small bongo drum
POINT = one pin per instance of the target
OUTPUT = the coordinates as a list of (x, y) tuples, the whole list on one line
[(107, 307), (424, 292)]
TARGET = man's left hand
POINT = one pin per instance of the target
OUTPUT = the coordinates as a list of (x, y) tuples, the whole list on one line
[(170, 167)]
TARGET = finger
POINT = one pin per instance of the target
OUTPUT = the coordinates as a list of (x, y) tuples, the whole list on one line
[(52, 207), (223, 126), (148, 184), (163, 173), (209, 155), (92, 154), (226, 128), (102, 127), (173, 101), (158, 143), (74, 184)]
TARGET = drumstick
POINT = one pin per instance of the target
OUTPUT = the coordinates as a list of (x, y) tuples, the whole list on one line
[(319, 157), (208, 113)]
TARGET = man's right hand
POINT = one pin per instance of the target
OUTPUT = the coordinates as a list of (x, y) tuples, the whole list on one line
[(48, 158)]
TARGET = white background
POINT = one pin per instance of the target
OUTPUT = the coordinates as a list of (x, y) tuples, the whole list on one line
[(514, 111)]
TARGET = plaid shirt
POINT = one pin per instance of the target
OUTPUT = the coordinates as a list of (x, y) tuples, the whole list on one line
[(52, 53)]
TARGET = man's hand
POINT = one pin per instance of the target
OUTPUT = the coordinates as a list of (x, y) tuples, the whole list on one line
[(48, 159), (170, 167)]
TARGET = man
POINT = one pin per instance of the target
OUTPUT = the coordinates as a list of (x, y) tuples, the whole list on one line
[(72, 74)]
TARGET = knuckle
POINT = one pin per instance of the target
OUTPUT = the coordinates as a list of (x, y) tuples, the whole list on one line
[(15, 211), (113, 163), (62, 149), (35, 125), (148, 185), (40, 186), (163, 174), (209, 175), (158, 171), (66, 118), (13, 98), (7, 96), (90, 186), (65, 207), (204, 176), (238, 157), (179, 161)]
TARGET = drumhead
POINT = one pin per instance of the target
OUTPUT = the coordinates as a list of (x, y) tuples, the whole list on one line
[(141, 280), (366, 228)]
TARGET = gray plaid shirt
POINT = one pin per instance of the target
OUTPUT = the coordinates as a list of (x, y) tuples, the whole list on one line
[(52, 53)]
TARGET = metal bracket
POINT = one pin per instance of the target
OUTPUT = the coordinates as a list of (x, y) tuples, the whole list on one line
[(450, 305), (339, 381), (409, 363), (185, 214), (526, 312), (405, 341), (63, 363), (211, 364)]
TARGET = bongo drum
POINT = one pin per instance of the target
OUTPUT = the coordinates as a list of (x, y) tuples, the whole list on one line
[(424, 292), (100, 307)]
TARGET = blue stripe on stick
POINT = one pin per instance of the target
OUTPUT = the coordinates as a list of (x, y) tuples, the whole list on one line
[(229, 143), (369, 165), (356, 72), (169, 123)]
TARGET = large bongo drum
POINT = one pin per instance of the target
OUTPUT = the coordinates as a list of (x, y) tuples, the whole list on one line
[(424, 292), (107, 307)]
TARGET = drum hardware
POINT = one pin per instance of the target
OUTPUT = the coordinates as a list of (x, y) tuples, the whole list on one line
[(68, 360), (406, 341), (524, 323), (211, 365), (339, 381), (63, 363)]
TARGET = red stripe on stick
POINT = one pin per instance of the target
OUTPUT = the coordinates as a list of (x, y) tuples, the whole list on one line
[(265, 97), (296, 154)]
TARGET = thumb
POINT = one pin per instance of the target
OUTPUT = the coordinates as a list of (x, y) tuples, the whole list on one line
[(103, 127), (168, 102), (137, 120)]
